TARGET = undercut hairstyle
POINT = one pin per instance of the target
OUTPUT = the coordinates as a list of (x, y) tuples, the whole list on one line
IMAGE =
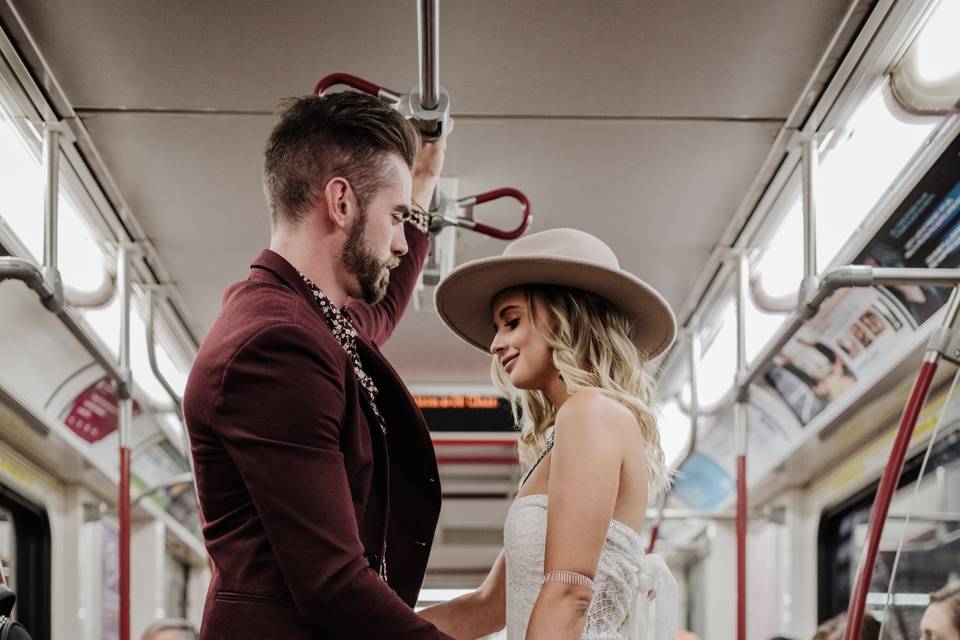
[(317, 138)]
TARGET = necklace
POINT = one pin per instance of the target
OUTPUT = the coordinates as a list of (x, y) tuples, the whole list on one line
[(547, 446)]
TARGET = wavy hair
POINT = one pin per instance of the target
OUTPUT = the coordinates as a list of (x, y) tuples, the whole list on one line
[(592, 347)]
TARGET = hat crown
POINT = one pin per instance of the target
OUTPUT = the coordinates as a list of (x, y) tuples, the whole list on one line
[(569, 244)]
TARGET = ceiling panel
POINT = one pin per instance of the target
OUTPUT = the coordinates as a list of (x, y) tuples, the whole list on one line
[(725, 58)]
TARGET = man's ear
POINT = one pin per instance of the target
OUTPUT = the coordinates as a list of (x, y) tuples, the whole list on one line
[(340, 201)]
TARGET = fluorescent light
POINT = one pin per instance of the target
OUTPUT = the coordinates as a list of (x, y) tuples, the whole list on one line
[(718, 366), (927, 78), (80, 258), (105, 323), (937, 47), (877, 143), (674, 427)]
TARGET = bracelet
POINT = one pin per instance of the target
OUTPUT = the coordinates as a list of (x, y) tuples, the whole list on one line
[(419, 218), (568, 577)]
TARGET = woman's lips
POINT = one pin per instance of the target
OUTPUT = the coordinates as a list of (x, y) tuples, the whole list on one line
[(509, 363)]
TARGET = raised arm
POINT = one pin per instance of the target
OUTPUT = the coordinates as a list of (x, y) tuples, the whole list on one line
[(379, 320), (583, 487), (284, 440)]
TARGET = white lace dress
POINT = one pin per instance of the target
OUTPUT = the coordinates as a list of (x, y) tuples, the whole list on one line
[(635, 597)]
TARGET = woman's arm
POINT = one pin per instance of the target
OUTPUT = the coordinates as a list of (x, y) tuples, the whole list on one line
[(583, 487), (478, 613)]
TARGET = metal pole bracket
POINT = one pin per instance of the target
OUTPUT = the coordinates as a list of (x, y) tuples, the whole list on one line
[(946, 342), (432, 123)]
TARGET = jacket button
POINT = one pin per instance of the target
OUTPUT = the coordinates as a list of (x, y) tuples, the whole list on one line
[(432, 480), (420, 543)]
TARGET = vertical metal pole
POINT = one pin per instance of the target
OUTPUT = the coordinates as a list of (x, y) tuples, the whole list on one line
[(125, 420), (428, 23), (811, 165), (51, 174), (694, 387), (740, 417)]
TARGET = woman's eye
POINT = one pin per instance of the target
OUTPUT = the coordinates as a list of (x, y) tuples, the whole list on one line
[(513, 323)]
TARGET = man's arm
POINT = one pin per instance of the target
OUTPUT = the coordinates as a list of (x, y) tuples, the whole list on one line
[(379, 320), (278, 415)]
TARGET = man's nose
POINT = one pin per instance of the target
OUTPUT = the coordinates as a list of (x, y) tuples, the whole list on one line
[(398, 244)]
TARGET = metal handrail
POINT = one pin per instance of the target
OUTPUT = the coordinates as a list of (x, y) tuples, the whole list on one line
[(428, 31)]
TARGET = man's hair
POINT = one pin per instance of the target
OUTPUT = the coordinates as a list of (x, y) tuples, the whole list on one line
[(185, 627), (318, 138)]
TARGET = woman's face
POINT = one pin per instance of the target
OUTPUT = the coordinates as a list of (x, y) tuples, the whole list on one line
[(521, 351), (937, 623)]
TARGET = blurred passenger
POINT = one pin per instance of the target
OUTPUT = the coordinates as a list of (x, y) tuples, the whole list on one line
[(941, 620), (834, 628), (315, 470), (170, 629)]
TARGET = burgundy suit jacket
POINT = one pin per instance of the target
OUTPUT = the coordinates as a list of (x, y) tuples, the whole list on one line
[(298, 485)]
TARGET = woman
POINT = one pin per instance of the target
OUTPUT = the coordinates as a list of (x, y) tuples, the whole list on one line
[(570, 333), (941, 620)]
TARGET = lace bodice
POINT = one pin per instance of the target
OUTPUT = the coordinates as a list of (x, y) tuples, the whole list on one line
[(634, 595)]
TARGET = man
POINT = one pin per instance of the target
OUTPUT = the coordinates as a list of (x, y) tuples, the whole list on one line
[(315, 470), (171, 629)]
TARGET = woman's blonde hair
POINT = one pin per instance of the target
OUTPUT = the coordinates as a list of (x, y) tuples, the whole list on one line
[(593, 348)]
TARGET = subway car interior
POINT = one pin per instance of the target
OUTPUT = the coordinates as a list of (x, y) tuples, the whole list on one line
[(785, 173)]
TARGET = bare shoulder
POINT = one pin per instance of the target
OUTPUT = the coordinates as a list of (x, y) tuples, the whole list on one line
[(592, 412)]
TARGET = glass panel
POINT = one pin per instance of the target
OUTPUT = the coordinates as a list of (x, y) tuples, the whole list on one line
[(674, 426), (920, 547)]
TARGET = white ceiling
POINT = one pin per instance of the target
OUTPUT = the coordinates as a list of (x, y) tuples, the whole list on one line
[(641, 122)]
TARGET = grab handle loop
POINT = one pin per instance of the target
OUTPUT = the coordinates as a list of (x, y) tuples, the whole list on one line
[(468, 222), (354, 82)]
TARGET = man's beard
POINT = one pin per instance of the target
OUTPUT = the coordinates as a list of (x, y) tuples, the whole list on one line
[(361, 262)]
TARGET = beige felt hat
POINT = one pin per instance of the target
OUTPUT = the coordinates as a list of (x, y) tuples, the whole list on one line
[(565, 257)]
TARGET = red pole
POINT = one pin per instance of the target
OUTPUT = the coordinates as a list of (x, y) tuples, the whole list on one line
[(888, 485), (124, 543), (654, 534)]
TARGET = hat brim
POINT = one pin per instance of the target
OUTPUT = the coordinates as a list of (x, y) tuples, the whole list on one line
[(464, 298)]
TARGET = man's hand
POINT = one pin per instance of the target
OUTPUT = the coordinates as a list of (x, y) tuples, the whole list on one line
[(427, 167)]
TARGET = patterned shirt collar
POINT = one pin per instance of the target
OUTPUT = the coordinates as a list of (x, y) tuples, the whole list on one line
[(341, 325)]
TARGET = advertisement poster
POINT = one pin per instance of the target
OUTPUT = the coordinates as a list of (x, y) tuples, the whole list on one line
[(834, 349), (924, 232)]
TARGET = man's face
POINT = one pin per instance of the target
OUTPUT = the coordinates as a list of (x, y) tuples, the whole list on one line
[(376, 240)]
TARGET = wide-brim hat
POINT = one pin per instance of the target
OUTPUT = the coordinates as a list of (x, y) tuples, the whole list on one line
[(564, 257)]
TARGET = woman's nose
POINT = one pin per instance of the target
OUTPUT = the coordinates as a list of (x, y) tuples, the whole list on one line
[(497, 345)]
